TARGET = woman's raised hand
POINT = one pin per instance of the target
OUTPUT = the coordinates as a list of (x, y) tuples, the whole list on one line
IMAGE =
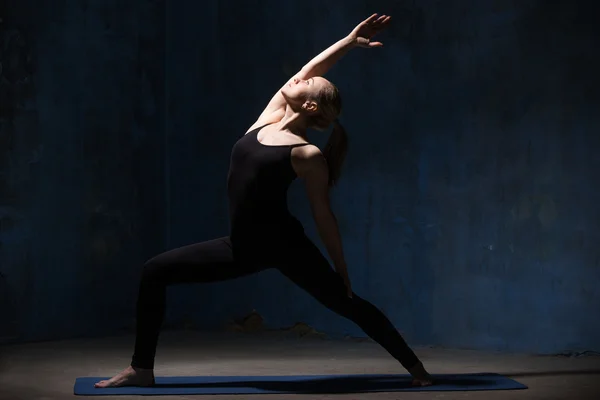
[(364, 32)]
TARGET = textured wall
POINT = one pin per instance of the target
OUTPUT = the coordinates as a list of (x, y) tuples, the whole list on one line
[(469, 207), (81, 165), (469, 203)]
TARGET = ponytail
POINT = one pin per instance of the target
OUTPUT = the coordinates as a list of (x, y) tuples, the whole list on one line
[(335, 152)]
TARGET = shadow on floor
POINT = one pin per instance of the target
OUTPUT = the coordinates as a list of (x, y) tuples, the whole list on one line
[(350, 384), (550, 373)]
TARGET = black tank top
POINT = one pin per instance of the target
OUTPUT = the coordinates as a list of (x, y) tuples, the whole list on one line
[(257, 184)]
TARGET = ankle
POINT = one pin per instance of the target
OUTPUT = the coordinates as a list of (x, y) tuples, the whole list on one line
[(142, 370), (418, 370)]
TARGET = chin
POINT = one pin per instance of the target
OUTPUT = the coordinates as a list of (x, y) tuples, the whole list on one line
[(287, 95)]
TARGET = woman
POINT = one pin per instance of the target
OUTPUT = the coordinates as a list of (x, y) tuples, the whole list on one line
[(263, 234)]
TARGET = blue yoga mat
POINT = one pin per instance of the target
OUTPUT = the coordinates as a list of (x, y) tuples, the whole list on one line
[(178, 385)]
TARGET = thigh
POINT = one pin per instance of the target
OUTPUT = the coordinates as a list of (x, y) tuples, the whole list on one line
[(209, 261), (308, 268)]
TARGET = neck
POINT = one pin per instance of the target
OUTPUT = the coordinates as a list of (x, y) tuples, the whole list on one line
[(293, 122)]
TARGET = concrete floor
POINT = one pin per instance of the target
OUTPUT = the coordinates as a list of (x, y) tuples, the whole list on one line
[(47, 371)]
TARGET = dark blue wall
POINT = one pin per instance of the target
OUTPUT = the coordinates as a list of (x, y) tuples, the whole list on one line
[(81, 163), (469, 203), (469, 206)]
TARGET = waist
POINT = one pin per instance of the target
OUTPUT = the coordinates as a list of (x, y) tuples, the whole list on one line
[(271, 225)]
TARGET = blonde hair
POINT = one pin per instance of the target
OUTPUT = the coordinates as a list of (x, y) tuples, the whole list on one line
[(330, 105)]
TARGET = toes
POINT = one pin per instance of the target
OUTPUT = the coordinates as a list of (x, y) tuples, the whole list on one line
[(417, 382)]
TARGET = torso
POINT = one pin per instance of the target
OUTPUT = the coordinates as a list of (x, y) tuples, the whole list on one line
[(259, 176)]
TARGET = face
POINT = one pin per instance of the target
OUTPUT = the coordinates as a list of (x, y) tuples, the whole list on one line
[(300, 93)]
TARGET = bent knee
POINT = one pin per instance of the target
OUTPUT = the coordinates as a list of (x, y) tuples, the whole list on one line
[(153, 269)]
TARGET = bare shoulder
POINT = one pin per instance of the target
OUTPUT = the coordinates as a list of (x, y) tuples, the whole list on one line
[(308, 152), (309, 161)]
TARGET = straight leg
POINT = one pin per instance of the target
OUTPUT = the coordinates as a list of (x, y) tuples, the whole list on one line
[(209, 261), (310, 270)]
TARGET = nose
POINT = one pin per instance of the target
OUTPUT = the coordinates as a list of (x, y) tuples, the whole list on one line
[(296, 80)]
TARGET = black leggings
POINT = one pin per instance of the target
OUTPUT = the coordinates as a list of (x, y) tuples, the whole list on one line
[(217, 260)]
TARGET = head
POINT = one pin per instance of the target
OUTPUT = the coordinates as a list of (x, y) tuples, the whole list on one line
[(319, 102)]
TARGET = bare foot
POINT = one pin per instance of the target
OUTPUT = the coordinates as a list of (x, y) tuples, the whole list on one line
[(129, 377), (420, 376), (422, 382)]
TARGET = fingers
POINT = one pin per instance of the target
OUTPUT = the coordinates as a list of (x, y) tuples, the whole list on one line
[(370, 19), (375, 44), (375, 21), (384, 19), (380, 22)]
